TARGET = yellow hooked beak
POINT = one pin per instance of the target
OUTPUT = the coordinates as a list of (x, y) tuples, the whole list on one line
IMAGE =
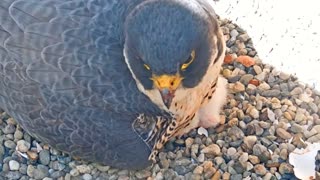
[(167, 85)]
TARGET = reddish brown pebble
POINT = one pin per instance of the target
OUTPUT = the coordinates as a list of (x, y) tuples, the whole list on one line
[(255, 82), (228, 59), (247, 61)]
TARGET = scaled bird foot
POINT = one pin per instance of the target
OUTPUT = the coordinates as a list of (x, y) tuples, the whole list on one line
[(209, 114)]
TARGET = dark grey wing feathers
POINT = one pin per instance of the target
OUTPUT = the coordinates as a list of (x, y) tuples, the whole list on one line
[(63, 75)]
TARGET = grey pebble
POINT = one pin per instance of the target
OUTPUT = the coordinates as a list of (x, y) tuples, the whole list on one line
[(235, 133), (87, 177), (23, 169), (234, 33), (38, 173), (271, 93), (44, 157), (12, 175), (10, 144), (9, 129), (236, 177), (18, 134), (57, 174), (143, 174), (244, 37)]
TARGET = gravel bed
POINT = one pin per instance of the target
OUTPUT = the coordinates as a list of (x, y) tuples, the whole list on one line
[(268, 114)]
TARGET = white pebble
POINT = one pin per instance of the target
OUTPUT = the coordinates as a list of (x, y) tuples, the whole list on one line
[(14, 165)]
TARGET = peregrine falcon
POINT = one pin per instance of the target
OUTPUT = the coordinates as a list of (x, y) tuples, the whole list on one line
[(111, 81)]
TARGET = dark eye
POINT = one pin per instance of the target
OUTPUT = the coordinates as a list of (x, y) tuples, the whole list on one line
[(185, 65)]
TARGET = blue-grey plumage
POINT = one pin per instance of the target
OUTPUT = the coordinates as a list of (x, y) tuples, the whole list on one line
[(65, 78)]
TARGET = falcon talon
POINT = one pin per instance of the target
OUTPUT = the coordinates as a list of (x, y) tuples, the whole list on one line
[(111, 90)]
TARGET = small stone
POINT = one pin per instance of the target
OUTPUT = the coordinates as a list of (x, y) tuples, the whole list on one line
[(282, 133), (227, 73), (14, 165), (249, 166), (87, 177), (216, 176), (102, 168), (9, 129), (296, 91), (234, 33), (198, 170), (288, 116), (299, 116), (18, 135), (285, 168), (242, 52), (23, 146), (56, 165), (143, 174), (189, 141), (231, 151), (46, 178), (268, 176), (74, 172), (219, 160), (235, 133), (240, 45), (12, 175), (236, 177), (233, 122), (271, 93), (30, 170), (264, 86), (305, 98), (32, 155), (254, 113), (41, 172), (251, 89), (212, 149), (250, 141), (271, 115), (276, 103), (313, 107), (238, 87), (247, 61), (296, 128), (159, 176), (254, 82), (284, 76), (244, 37), (83, 169), (245, 79), (284, 154), (226, 176), (201, 157), (257, 69), (182, 162), (254, 159), (260, 169), (10, 144), (44, 157), (194, 149), (244, 158)]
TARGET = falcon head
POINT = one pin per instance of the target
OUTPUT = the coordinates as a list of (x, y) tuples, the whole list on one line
[(169, 45)]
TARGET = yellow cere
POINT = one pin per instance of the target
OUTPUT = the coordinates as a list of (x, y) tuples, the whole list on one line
[(190, 60)]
